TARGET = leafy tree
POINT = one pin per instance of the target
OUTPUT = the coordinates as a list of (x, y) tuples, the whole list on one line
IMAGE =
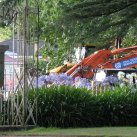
[(99, 21), (94, 22), (5, 24), (7, 4), (56, 47), (49, 14), (5, 33), (68, 22)]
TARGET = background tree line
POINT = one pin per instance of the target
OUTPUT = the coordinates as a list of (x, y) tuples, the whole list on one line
[(63, 23)]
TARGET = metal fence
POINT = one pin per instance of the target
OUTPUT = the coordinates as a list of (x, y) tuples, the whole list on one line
[(5, 107), (10, 111), (100, 89), (11, 101), (13, 109)]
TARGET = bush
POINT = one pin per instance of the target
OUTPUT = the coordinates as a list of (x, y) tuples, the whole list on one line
[(119, 107), (67, 107), (76, 107)]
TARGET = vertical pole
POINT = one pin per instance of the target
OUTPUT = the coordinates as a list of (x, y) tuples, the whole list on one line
[(26, 3), (18, 57), (18, 38), (25, 63), (24, 66), (13, 73), (33, 40), (37, 64), (27, 32), (69, 55), (37, 68)]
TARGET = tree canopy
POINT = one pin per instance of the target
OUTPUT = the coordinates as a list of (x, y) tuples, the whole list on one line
[(99, 21), (63, 23), (88, 21), (5, 33)]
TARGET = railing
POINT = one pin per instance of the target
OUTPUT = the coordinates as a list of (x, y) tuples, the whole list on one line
[(100, 89), (6, 104), (1, 98), (5, 107)]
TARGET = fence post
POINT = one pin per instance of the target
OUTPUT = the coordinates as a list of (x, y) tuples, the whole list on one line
[(1, 98)]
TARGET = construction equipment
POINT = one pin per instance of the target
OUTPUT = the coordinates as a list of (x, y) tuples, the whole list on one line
[(60, 69), (81, 53), (103, 59)]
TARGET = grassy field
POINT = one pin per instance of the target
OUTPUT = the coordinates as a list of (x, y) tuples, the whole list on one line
[(99, 132)]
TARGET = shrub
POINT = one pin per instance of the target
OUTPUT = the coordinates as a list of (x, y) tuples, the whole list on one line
[(67, 107), (76, 107), (119, 107)]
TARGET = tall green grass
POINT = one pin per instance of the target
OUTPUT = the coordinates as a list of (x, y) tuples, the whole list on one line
[(119, 107), (66, 107), (76, 107)]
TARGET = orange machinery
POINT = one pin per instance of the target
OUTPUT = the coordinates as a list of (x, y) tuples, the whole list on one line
[(66, 67), (103, 59)]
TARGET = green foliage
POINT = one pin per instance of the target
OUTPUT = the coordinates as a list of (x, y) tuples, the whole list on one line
[(68, 22), (119, 107), (5, 33), (65, 107), (71, 107), (7, 4), (56, 54), (93, 22), (98, 21), (56, 47), (76, 107), (42, 65)]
